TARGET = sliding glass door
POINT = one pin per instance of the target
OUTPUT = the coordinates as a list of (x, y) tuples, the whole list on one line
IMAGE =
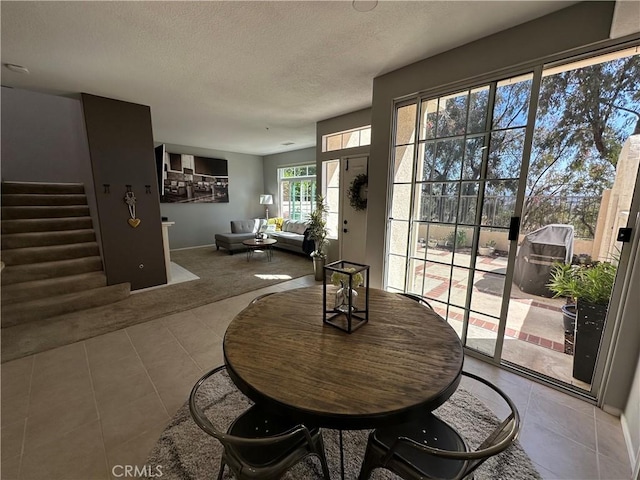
[(476, 171), (459, 195)]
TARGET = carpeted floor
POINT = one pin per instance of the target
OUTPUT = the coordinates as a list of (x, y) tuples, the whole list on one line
[(221, 276), (183, 451)]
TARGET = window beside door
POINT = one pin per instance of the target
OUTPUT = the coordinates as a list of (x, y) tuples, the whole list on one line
[(331, 194), (297, 191)]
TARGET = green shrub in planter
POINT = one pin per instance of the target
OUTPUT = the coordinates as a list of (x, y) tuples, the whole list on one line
[(457, 239), (589, 286), (318, 232), (590, 282)]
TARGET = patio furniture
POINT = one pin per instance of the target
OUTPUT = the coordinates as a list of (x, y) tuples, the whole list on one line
[(537, 254)]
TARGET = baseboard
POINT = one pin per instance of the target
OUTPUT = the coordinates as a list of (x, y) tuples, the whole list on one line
[(634, 454), (191, 248), (616, 412)]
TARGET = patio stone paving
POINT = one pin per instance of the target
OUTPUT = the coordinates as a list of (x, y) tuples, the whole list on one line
[(534, 332)]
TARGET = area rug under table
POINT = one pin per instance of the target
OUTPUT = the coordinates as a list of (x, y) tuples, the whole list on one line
[(185, 452), (220, 276)]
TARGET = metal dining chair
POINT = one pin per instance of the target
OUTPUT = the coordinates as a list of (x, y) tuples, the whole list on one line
[(429, 448), (257, 444), (418, 298)]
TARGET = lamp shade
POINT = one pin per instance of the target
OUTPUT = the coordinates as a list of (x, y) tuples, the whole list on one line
[(266, 199)]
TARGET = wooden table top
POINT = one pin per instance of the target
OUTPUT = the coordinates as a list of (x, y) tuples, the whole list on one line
[(279, 353), (253, 242)]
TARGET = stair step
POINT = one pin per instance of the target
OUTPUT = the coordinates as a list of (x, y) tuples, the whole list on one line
[(12, 213), (24, 199), (39, 271), (21, 292), (45, 224), (41, 239), (39, 187), (52, 264), (19, 313), (21, 256)]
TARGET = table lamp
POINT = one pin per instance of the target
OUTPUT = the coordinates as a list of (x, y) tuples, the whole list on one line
[(266, 200)]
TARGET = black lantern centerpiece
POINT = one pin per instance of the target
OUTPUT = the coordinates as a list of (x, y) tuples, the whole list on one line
[(345, 295)]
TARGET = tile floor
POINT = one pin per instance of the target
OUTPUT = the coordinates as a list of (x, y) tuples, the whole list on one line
[(74, 412)]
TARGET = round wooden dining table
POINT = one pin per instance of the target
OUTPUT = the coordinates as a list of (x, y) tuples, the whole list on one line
[(406, 358)]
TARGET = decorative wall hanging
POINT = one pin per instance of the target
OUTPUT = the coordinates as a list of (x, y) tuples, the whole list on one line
[(357, 188), (186, 178), (130, 200)]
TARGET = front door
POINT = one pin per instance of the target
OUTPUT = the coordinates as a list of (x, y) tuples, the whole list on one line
[(352, 227)]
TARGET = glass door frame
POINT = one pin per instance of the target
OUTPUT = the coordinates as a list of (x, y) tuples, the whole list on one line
[(520, 196), (612, 324), (419, 100)]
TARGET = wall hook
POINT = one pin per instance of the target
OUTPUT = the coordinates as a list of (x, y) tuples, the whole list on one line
[(106, 188)]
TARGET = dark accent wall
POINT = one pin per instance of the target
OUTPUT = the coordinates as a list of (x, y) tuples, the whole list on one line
[(121, 148)]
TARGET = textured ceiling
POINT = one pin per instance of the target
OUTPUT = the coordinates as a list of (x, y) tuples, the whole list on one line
[(238, 76)]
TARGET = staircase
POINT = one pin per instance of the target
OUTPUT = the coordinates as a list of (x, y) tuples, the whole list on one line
[(50, 256)]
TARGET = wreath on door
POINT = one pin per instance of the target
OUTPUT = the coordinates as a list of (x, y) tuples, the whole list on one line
[(356, 189)]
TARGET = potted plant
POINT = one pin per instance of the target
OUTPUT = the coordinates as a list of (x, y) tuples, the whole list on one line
[(488, 248), (318, 233), (456, 239), (561, 284), (588, 287)]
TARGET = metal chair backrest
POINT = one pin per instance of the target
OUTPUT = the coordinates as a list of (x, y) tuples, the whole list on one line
[(418, 298), (379, 454), (257, 444)]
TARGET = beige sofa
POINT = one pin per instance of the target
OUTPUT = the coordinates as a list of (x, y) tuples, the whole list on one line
[(291, 236)]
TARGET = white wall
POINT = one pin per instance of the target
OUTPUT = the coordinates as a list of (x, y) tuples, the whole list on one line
[(43, 138), (197, 224)]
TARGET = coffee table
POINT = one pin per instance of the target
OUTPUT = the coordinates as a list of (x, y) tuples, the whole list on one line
[(265, 244)]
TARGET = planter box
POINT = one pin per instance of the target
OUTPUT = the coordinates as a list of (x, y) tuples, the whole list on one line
[(569, 318), (589, 325)]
